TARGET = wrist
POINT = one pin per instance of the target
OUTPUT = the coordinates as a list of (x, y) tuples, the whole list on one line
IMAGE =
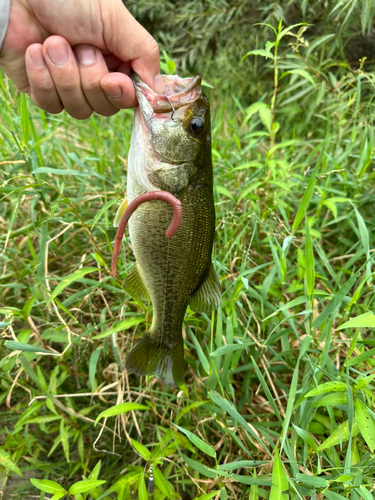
[(4, 19)]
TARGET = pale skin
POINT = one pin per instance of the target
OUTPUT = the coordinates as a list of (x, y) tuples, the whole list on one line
[(77, 55)]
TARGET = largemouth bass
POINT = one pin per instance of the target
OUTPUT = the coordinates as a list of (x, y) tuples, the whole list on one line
[(170, 151)]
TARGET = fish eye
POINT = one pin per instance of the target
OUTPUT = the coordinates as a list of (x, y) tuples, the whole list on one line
[(196, 126)]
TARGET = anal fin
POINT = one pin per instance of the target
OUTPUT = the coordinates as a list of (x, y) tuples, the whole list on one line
[(208, 295), (133, 284), (120, 211)]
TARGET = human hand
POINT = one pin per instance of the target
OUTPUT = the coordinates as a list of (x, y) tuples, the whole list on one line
[(77, 55)]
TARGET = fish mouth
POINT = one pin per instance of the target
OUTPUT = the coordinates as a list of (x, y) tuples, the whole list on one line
[(178, 92)]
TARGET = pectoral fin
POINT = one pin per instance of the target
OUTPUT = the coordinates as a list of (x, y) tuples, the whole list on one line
[(208, 295), (120, 212), (134, 285)]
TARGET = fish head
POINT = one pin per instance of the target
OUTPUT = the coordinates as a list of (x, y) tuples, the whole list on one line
[(175, 131)]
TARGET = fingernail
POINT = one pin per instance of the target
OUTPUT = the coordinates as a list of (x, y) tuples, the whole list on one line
[(58, 53), (158, 84), (112, 91), (37, 58), (86, 54)]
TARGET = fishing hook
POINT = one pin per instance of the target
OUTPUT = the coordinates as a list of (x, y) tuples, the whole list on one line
[(171, 105)]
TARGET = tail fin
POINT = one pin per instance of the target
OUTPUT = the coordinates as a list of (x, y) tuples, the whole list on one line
[(150, 356)]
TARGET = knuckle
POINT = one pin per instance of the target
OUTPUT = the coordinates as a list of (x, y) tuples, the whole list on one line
[(153, 47), (25, 89), (53, 108), (46, 87), (81, 114), (67, 86), (108, 112), (91, 86)]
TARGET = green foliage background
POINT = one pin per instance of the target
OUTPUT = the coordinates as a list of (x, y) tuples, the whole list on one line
[(278, 399)]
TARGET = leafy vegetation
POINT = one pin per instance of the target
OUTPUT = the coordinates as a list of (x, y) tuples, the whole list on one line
[(278, 400)]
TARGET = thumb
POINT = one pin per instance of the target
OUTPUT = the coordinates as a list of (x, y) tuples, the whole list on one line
[(129, 41)]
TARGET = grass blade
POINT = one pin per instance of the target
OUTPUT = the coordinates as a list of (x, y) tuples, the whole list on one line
[(310, 266), (92, 366), (77, 275), (121, 408), (198, 442), (279, 489), (365, 423)]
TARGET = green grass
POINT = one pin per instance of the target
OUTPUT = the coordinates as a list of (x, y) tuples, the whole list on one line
[(279, 391)]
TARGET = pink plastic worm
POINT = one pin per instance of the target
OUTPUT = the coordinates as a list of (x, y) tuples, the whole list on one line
[(152, 195)]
